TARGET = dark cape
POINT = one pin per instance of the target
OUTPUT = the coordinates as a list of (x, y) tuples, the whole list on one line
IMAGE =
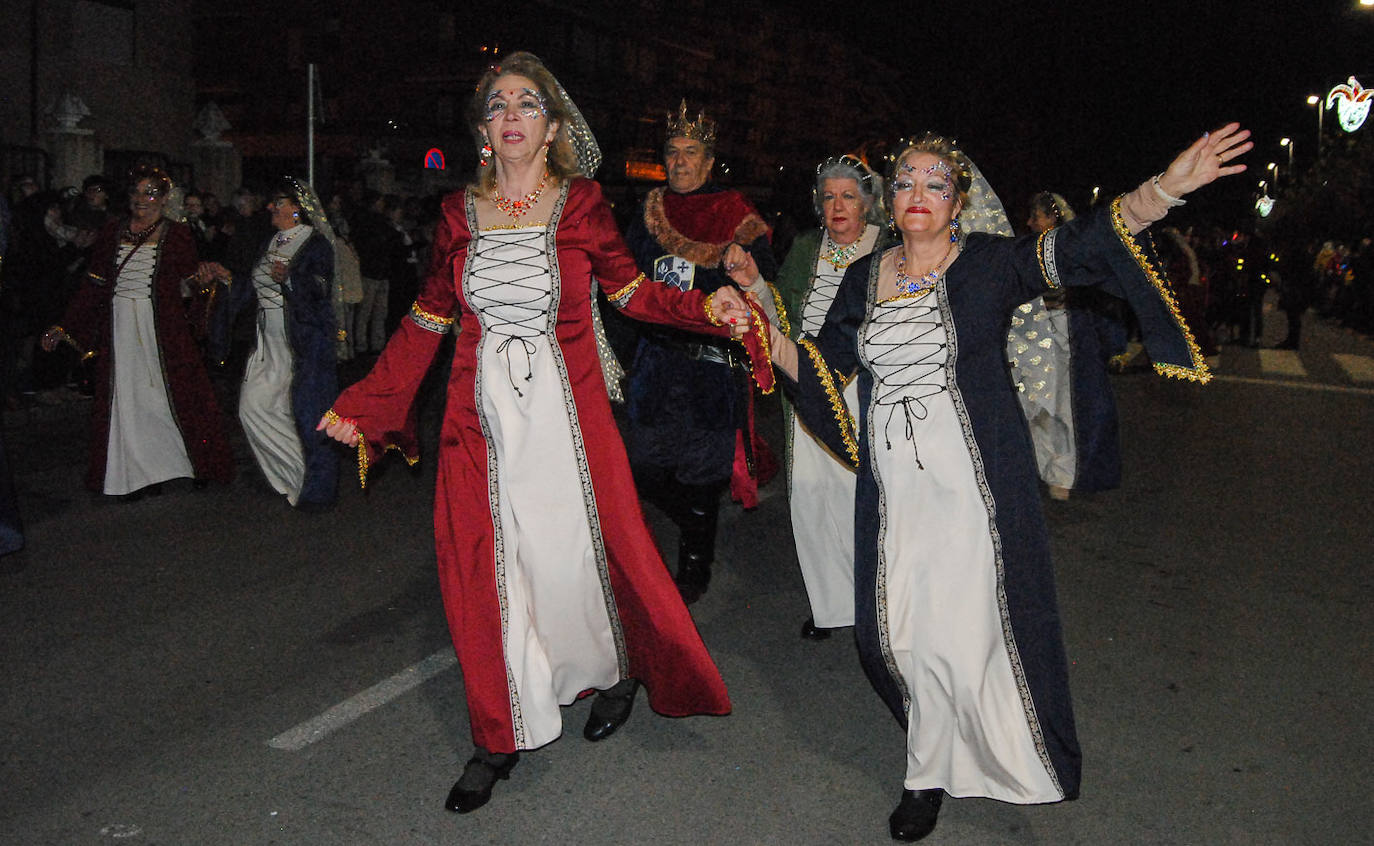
[(311, 329)]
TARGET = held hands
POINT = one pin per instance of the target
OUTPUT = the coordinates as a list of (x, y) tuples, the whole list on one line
[(209, 272), (728, 308), (1206, 160), (341, 430), (740, 266)]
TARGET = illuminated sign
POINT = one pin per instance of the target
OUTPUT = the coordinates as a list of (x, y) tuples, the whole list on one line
[(1352, 103), (435, 158), (646, 171)]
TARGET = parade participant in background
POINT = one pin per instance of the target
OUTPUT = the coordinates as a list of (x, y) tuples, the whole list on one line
[(290, 378), (956, 613), (1060, 372), (848, 200), (689, 397), (550, 577), (155, 416)]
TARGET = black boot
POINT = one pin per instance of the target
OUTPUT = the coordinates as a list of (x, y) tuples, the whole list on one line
[(915, 816), (697, 543), (473, 788), (610, 710)]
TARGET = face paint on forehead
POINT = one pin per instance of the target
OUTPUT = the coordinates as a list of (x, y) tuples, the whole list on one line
[(941, 170), (497, 104)]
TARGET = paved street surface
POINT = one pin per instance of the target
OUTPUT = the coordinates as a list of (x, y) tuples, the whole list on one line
[(214, 668)]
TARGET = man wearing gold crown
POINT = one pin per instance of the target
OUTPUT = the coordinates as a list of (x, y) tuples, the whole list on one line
[(689, 394)]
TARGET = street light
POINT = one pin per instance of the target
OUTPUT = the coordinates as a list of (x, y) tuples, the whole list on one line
[(1288, 142), (1315, 100)]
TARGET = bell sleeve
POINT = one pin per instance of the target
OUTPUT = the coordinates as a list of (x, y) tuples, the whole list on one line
[(382, 404)]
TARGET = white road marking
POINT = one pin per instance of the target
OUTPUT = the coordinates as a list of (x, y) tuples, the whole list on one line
[(1360, 368), (350, 709), (1287, 383), (1282, 362)]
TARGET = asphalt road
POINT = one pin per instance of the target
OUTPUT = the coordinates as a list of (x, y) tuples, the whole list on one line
[(1216, 613)]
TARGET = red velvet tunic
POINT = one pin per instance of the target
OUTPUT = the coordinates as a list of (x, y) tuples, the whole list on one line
[(88, 322), (662, 646)]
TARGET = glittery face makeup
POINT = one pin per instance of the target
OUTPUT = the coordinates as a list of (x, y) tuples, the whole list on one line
[(938, 178), (526, 101), (924, 197)]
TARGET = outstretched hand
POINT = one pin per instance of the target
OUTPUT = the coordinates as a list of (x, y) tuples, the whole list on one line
[(1206, 160)]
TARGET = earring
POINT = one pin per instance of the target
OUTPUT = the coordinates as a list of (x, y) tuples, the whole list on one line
[(486, 154), (954, 230), (892, 222), (295, 215)]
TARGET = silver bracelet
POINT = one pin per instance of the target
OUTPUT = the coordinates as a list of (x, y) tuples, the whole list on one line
[(1169, 199)]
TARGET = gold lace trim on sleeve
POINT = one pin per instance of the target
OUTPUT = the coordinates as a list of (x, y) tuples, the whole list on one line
[(1198, 372), (621, 298), (429, 321), (837, 403)]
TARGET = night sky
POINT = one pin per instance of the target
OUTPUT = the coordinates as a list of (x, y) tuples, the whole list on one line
[(1064, 96)]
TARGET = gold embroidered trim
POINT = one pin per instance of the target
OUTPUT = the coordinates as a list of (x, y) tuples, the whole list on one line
[(709, 304), (656, 221), (508, 226), (426, 320), (761, 328), (1198, 372), (837, 403), (784, 324), (621, 297), (1044, 242)]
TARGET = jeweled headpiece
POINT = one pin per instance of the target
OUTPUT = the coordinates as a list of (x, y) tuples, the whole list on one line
[(702, 129)]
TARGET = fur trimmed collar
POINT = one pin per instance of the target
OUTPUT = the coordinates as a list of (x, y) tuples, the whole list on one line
[(700, 253)]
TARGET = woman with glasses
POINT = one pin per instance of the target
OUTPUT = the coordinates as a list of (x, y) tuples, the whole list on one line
[(155, 417)]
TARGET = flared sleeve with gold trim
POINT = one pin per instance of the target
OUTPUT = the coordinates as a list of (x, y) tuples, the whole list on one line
[(382, 404), (827, 362), (634, 295), (1099, 249)]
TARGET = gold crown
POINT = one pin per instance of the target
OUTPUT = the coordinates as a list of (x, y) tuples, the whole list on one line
[(702, 129)]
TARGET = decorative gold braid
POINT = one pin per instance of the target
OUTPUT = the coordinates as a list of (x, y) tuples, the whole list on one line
[(761, 328), (430, 316), (837, 403), (1198, 372), (1040, 257), (333, 417), (709, 304), (627, 291), (784, 324)]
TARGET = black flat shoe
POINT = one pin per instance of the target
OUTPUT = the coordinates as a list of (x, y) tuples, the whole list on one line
[(810, 631), (692, 580), (473, 788), (610, 710), (915, 815)]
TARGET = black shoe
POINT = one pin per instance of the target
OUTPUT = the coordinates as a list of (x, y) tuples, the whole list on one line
[(473, 788), (610, 710), (915, 816), (693, 578), (810, 631)]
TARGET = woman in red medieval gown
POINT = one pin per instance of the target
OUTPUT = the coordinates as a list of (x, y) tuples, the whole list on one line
[(551, 581)]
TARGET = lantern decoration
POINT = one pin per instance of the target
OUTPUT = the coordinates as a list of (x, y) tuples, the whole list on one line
[(1352, 102)]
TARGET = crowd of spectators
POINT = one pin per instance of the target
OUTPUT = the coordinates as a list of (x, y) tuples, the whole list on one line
[(45, 240)]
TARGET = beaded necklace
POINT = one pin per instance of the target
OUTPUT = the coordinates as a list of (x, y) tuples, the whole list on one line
[(137, 238), (519, 208), (907, 285), (840, 257)]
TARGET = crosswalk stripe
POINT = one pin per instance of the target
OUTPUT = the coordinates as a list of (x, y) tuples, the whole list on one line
[(1281, 362), (379, 694), (1360, 368)]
